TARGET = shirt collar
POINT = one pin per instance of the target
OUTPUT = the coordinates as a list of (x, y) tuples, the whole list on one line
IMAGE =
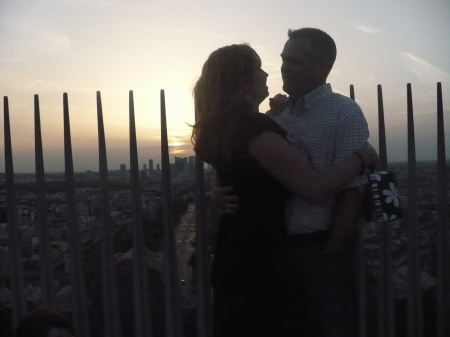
[(305, 102)]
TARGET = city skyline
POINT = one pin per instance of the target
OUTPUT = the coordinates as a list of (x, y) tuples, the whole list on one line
[(52, 47)]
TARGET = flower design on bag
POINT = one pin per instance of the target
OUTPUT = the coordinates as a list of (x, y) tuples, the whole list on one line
[(392, 195), (377, 175), (389, 218)]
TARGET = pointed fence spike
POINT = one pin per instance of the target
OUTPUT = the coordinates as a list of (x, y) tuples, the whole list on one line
[(14, 242), (111, 318), (140, 279), (172, 291), (415, 312), (45, 251), (77, 286), (443, 244)]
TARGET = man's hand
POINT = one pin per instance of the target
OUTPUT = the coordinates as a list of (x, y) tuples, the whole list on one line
[(370, 156), (223, 200), (277, 103)]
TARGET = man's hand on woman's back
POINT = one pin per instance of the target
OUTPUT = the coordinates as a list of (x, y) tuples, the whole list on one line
[(223, 199)]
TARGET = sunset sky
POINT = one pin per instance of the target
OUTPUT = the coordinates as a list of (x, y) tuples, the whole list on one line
[(79, 47)]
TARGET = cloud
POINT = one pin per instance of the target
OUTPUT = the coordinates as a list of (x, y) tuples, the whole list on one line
[(424, 71), (40, 84), (29, 38), (48, 40), (357, 100), (14, 82), (176, 28), (367, 30), (14, 59), (365, 104)]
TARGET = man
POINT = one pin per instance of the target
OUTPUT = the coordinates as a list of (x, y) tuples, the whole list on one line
[(325, 128)]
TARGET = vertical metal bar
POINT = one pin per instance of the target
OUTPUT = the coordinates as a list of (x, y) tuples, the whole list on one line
[(141, 293), (362, 298), (381, 130), (204, 319), (382, 305), (352, 92), (386, 311), (443, 256), (362, 295), (414, 309), (111, 318), (14, 244), (383, 250), (172, 291), (78, 291), (45, 251), (382, 309)]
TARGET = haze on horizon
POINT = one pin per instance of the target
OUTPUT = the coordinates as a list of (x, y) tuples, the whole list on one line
[(50, 47)]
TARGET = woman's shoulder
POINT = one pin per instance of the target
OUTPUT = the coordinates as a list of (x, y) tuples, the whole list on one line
[(257, 123)]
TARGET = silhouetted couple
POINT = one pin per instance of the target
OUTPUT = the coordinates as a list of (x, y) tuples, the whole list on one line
[(291, 185)]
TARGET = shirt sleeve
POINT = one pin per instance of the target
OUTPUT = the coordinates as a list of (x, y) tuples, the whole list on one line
[(351, 134)]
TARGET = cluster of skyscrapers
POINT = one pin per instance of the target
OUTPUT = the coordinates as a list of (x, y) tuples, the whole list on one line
[(181, 164)]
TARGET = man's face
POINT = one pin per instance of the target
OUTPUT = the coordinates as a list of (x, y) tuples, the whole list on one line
[(301, 69)]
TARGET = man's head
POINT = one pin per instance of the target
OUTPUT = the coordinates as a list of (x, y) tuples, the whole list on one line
[(307, 59)]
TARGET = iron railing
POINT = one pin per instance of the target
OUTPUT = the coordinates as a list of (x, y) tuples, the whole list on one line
[(173, 326)]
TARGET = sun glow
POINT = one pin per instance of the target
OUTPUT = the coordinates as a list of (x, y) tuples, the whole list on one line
[(176, 144)]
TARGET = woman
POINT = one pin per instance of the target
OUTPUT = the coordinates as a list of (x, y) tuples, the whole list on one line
[(251, 154)]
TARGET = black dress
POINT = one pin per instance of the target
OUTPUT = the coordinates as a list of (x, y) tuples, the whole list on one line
[(249, 264)]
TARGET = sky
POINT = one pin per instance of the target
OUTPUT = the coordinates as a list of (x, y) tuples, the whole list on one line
[(81, 47)]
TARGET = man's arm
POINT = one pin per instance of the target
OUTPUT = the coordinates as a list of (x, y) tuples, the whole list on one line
[(349, 202), (346, 215)]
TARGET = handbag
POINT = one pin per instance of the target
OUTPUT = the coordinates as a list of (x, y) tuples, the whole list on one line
[(383, 197)]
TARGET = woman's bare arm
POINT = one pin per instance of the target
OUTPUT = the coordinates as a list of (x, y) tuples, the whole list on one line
[(277, 156)]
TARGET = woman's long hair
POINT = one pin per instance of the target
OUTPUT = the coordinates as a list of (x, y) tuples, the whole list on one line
[(220, 100)]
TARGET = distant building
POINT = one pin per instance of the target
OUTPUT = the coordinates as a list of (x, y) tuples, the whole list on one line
[(123, 171), (150, 165), (180, 164), (191, 161)]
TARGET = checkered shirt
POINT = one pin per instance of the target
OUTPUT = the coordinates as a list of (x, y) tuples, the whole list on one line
[(325, 128)]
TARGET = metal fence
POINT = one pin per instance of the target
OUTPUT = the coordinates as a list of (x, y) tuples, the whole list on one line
[(173, 324)]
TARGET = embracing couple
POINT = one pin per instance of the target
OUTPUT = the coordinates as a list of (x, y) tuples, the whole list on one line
[(292, 182)]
